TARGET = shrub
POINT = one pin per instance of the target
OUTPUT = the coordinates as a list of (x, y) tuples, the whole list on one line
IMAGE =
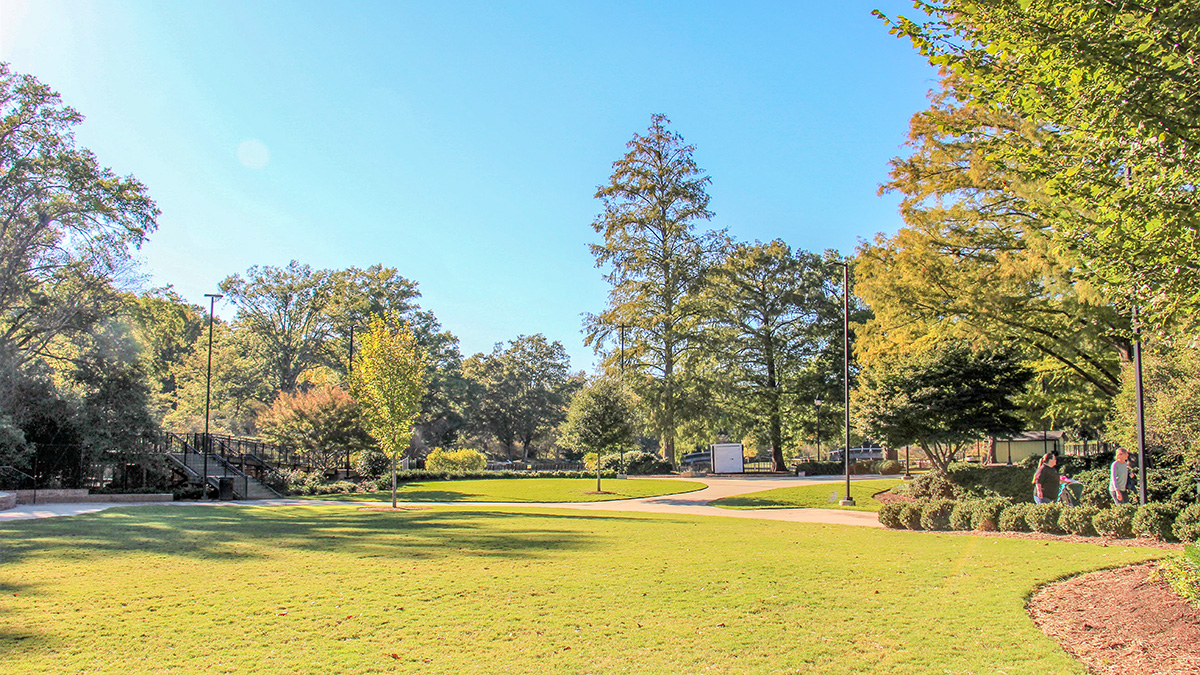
[(936, 514), (1078, 520), (1095, 487), (862, 467), (991, 481), (1187, 524), (889, 467), (455, 461), (373, 463), (1043, 518), (890, 515), (1012, 518), (910, 515), (1115, 521), (634, 463), (960, 515), (820, 468), (1155, 520), (985, 516), (1183, 573), (933, 485)]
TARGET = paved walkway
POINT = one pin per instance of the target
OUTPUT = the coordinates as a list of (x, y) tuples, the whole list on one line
[(691, 503)]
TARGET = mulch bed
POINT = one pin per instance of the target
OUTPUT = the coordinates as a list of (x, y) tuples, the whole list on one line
[(1121, 622)]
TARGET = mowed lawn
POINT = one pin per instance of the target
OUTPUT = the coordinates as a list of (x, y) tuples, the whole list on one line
[(523, 490), (342, 589), (822, 496)]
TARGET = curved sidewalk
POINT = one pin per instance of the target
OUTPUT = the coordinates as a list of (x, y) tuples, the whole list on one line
[(688, 503)]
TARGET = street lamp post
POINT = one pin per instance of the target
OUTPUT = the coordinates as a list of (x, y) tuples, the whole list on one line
[(212, 303), (817, 402), (1140, 409), (350, 372), (848, 501)]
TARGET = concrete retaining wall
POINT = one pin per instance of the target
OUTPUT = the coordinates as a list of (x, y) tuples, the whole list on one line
[(82, 497), (7, 500)]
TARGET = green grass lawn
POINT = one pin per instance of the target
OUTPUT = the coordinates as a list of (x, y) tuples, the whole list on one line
[(812, 496), (339, 589), (523, 490)]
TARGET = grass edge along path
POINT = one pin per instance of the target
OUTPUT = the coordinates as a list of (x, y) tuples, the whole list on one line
[(328, 588), (518, 490), (820, 496)]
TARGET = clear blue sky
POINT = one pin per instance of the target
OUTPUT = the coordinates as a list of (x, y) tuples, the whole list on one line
[(462, 143)]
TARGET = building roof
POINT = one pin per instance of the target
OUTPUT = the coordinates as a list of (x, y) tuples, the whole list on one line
[(1033, 436)]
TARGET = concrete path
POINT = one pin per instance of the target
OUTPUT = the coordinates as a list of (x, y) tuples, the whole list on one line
[(691, 503)]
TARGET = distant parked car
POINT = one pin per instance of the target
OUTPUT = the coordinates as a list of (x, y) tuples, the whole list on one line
[(696, 459), (857, 454)]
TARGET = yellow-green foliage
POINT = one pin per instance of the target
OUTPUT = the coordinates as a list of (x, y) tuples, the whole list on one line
[(455, 461), (389, 381)]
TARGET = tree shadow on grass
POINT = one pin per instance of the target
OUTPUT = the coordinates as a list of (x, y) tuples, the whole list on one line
[(232, 533)]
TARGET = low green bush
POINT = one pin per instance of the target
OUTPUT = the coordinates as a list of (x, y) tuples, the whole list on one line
[(634, 463), (1077, 520), (820, 468), (464, 460), (1095, 487), (1187, 524), (910, 515), (372, 463), (1012, 518), (862, 467), (1155, 520), (888, 467), (991, 481), (890, 515), (960, 515), (1115, 521), (935, 514), (985, 516), (933, 485), (1043, 518), (1182, 574)]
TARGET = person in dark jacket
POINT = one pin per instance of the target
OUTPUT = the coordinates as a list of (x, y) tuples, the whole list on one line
[(1045, 480)]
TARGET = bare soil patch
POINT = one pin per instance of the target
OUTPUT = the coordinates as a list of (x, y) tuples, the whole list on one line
[(1121, 622)]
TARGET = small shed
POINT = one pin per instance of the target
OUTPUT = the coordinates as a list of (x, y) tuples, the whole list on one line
[(727, 458), (1012, 450)]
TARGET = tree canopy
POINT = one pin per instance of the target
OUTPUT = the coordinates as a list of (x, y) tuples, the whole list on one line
[(943, 399), (657, 265)]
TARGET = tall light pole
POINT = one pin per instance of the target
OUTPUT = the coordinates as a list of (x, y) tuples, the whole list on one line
[(848, 501), (212, 303), (1140, 409), (817, 402)]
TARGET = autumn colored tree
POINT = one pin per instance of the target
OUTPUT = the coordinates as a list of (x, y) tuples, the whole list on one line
[(323, 424)]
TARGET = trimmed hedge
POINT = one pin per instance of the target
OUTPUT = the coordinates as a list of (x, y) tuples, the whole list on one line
[(1155, 520), (910, 515), (935, 514), (889, 467), (933, 485), (960, 515), (1043, 518), (890, 515), (985, 516), (820, 468), (1077, 520), (1115, 521), (1012, 518), (1187, 524)]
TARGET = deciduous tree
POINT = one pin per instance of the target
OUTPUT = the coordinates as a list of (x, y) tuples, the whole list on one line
[(602, 419), (942, 399)]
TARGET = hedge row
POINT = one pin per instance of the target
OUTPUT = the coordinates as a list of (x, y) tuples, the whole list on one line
[(308, 484), (1159, 521)]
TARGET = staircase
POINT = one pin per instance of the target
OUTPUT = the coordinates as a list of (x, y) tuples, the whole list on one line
[(192, 463)]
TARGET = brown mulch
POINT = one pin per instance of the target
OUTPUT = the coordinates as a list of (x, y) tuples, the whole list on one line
[(1121, 622), (885, 497), (388, 508), (1141, 542)]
